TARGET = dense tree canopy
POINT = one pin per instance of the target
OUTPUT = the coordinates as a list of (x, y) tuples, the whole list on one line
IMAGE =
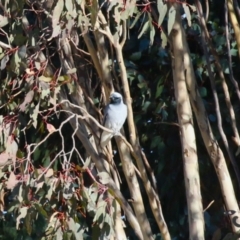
[(172, 172)]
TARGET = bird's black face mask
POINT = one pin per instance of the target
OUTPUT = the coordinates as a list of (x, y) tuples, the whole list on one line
[(115, 100)]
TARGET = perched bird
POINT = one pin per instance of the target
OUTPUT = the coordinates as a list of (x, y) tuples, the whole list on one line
[(115, 115)]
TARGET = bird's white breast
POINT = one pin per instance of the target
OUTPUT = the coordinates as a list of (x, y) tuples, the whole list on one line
[(116, 116)]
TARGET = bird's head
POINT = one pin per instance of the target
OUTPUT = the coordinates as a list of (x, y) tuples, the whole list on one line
[(115, 98)]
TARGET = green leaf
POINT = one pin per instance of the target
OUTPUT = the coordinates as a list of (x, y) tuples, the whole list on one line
[(4, 61), (141, 78), (203, 91), (135, 56), (68, 190), (45, 79), (171, 18), (136, 19), (87, 162), (164, 115), (40, 209), (34, 115), (74, 227), (57, 11), (15, 63), (234, 52), (101, 211), (192, 7), (152, 33), (28, 223), (69, 5), (104, 177), (50, 190), (144, 138), (45, 93), (188, 14), (22, 52), (160, 166), (164, 39), (94, 196), (159, 90), (226, 70), (59, 232), (146, 105), (23, 213), (46, 160), (71, 71), (3, 21), (144, 29), (67, 235), (155, 141), (162, 9), (142, 85)]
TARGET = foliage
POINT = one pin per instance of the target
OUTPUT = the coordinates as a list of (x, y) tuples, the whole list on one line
[(48, 188)]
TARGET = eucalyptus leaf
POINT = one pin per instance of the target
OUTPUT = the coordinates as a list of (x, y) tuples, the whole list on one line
[(162, 9), (145, 28), (171, 18)]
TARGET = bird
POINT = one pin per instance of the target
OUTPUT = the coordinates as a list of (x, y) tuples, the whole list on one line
[(115, 114)]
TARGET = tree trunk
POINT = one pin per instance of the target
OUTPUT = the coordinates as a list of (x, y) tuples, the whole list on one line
[(214, 151), (187, 135)]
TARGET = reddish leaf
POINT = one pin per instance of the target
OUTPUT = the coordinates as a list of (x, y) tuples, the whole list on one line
[(50, 128), (12, 181), (3, 159), (11, 149), (29, 71), (26, 101)]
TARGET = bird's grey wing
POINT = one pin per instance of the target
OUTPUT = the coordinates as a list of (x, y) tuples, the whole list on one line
[(123, 114), (106, 136)]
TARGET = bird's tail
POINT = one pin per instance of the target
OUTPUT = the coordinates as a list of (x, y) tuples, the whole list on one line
[(105, 138)]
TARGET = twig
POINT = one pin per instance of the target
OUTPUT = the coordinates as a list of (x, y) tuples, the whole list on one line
[(207, 10), (4, 45), (166, 123), (107, 31), (50, 164), (92, 51), (80, 50), (79, 116), (124, 34), (208, 206), (151, 172)]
